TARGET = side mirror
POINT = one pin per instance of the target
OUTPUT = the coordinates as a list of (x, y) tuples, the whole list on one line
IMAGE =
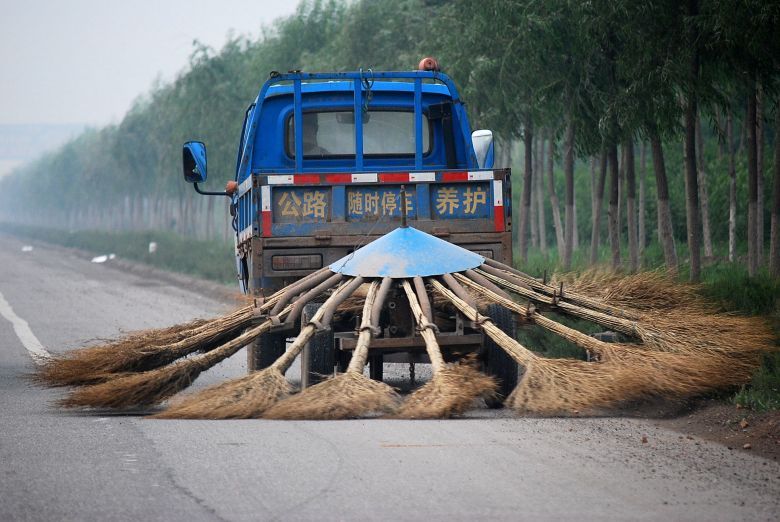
[(194, 161), (482, 140)]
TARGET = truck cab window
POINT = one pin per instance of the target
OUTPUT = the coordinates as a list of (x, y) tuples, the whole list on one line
[(332, 134)]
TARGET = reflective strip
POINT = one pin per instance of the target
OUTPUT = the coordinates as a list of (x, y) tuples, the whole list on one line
[(265, 198), (306, 179), (454, 176), (338, 178), (422, 176), (281, 179), (480, 175), (364, 178), (498, 218), (498, 193), (266, 222), (394, 177), (498, 205), (373, 177), (245, 186)]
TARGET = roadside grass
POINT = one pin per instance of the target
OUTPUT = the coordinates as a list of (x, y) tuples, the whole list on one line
[(212, 260)]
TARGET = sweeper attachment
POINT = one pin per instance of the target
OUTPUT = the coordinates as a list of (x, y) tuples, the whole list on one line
[(413, 293)]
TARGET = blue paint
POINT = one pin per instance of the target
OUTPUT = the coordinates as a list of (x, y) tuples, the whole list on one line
[(369, 203), (461, 200), (407, 252), (263, 150)]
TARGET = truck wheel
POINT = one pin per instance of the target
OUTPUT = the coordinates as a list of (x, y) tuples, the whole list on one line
[(496, 361), (318, 357), (265, 350)]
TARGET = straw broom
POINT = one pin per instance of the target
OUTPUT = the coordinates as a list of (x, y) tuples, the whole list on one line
[(511, 274), (551, 386), (453, 388), (92, 364), (650, 290), (706, 333), (619, 324), (154, 386), (668, 374), (150, 349), (249, 396), (350, 394), (145, 350)]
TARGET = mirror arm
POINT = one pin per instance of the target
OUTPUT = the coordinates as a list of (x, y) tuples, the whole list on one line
[(206, 193)]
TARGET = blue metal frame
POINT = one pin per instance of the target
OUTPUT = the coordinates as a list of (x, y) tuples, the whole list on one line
[(356, 79)]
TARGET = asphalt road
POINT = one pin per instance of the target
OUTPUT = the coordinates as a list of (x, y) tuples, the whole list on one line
[(57, 465)]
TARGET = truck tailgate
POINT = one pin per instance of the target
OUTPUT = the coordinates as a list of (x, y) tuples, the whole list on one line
[(361, 203)]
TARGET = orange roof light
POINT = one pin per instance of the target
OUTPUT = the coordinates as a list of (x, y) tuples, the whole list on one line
[(428, 64)]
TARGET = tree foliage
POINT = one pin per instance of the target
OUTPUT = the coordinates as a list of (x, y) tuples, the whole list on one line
[(617, 70)]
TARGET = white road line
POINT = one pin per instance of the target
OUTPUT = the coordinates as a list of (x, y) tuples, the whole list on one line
[(38, 353)]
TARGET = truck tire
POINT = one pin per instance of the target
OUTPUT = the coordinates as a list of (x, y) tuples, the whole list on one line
[(496, 361), (265, 350), (318, 358)]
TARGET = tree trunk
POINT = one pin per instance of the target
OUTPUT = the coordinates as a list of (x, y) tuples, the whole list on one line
[(703, 195), (568, 169), (621, 190), (599, 204), (633, 249), (540, 197), (742, 137), (760, 175), (534, 225), (665, 230), (612, 218), (525, 206), (576, 231), (554, 203), (752, 182), (692, 210), (732, 188), (642, 198), (774, 231)]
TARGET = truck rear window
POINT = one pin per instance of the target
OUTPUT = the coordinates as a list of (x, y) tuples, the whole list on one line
[(332, 134)]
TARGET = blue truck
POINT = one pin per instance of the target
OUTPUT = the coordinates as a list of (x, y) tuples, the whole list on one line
[(328, 162)]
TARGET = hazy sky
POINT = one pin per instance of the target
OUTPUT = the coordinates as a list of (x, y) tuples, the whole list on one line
[(84, 61)]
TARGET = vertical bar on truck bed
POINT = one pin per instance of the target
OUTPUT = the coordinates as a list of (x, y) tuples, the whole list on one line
[(358, 87), (298, 117), (418, 138)]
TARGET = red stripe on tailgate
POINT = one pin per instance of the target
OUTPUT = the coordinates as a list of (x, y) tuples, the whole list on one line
[(305, 179), (454, 176), (338, 178), (266, 214), (397, 177), (498, 218)]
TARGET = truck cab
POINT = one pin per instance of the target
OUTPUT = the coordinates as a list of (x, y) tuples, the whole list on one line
[(328, 162)]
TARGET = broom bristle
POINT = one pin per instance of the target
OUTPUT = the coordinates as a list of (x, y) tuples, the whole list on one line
[(346, 396), (87, 365), (651, 290), (673, 374), (559, 386), (450, 391), (137, 353), (137, 389), (701, 332), (244, 398)]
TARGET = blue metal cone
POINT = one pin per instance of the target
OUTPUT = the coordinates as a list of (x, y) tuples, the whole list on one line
[(407, 252)]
